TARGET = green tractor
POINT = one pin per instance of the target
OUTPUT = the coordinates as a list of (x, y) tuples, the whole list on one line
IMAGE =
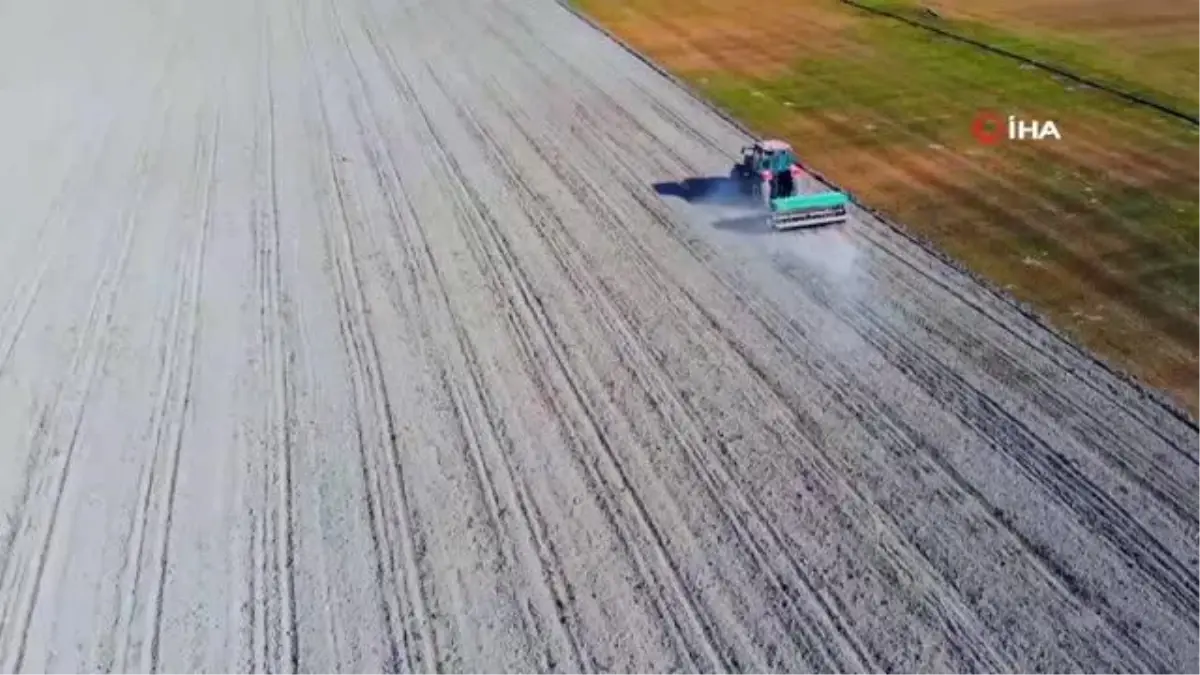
[(769, 170)]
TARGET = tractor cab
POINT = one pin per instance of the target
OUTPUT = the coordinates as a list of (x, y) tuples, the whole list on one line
[(770, 170), (768, 167), (773, 156)]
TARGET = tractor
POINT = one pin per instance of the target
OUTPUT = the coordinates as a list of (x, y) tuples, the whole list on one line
[(769, 171)]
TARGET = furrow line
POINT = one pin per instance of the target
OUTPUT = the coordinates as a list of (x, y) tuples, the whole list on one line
[(281, 423), (1099, 383), (1092, 506), (382, 556), (593, 475), (781, 328), (487, 486), (193, 277), (532, 305), (21, 303), (127, 595), (266, 262), (89, 355), (365, 355), (903, 559), (1144, 469)]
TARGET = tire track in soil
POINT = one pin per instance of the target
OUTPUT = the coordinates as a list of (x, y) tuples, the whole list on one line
[(899, 547), (272, 618), (372, 401), (176, 395), (1056, 357), (784, 330), (280, 408), (276, 318), (60, 215), (48, 444), (528, 305), (1053, 569), (1094, 508), (264, 351), (264, 235), (436, 147), (390, 646), (165, 426), (498, 445), (21, 302), (993, 412), (551, 567), (88, 356), (379, 536), (530, 203), (552, 574), (1082, 422)]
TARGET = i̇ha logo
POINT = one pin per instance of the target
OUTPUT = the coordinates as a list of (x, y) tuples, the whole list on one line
[(990, 127)]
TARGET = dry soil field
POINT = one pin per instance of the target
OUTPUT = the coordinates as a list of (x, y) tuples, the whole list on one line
[(1099, 230), (354, 336)]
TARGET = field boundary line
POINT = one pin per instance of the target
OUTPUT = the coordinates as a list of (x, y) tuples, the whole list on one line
[(1155, 395), (1113, 90)]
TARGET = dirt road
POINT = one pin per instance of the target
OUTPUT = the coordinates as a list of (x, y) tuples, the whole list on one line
[(355, 336)]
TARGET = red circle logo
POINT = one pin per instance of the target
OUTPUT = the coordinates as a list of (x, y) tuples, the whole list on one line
[(988, 127)]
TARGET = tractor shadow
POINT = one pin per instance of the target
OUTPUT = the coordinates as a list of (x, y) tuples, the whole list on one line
[(748, 216), (712, 190)]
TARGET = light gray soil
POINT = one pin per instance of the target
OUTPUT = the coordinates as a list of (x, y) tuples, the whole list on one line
[(354, 335)]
